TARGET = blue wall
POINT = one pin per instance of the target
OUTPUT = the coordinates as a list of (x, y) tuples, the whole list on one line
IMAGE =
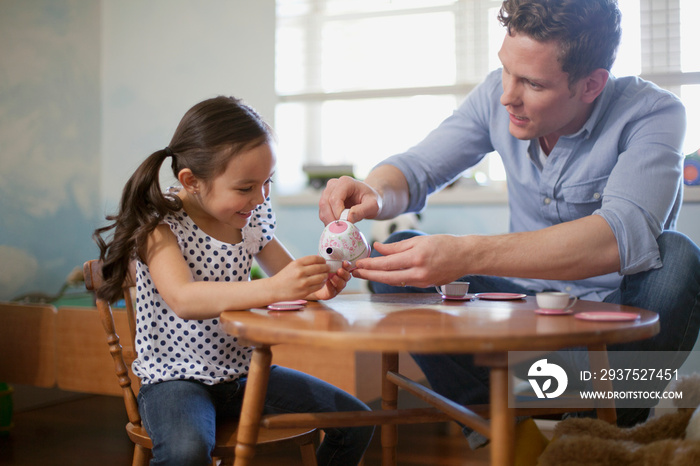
[(49, 140)]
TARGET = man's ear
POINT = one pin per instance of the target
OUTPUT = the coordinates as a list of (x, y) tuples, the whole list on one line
[(189, 182), (593, 85)]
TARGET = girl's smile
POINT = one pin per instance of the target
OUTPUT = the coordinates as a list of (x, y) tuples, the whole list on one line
[(224, 206)]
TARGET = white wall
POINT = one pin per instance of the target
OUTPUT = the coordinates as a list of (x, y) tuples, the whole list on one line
[(160, 57)]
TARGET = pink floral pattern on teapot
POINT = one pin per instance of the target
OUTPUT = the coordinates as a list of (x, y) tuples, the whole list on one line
[(342, 241)]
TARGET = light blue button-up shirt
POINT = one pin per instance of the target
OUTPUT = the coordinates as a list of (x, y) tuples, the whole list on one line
[(624, 164)]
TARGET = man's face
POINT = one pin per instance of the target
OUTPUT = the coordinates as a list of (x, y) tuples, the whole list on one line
[(536, 91)]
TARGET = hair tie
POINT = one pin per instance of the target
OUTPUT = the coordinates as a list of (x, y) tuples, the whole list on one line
[(168, 151)]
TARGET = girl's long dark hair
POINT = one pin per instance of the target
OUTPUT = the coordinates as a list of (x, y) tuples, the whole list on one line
[(207, 137)]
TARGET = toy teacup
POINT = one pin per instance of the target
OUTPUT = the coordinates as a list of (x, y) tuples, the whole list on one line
[(342, 241)]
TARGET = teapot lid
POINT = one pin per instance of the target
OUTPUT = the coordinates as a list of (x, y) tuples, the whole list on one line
[(340, 225), (337, 226)]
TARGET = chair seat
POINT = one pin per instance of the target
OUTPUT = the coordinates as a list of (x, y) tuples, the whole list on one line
[(226, 434)]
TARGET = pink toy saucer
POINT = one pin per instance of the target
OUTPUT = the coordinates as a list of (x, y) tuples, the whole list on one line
[(287, 305), (500, 296), (607, 316)]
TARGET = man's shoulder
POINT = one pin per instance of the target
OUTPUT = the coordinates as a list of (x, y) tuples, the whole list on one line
[(633, 89), (487, 94), (493, 80)]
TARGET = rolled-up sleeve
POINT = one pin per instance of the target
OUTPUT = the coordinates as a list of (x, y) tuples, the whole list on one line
[(644, 190)]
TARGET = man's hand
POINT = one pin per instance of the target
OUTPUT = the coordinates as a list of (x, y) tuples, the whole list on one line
[(420, 261), (382, 195), (568, 251), (348, 193)]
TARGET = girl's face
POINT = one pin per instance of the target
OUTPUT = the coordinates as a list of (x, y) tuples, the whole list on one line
[(230, 198)]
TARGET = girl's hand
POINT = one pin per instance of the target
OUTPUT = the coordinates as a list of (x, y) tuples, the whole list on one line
[(299, 278), (335, 284)]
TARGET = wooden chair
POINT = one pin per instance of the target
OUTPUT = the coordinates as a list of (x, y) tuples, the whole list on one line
[(226, 434)]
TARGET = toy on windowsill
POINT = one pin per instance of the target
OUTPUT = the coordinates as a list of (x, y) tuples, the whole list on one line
[(691, 169), (669, 440), (342, 241)]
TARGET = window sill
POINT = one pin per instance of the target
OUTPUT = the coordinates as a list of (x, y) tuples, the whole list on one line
[(458, 195), (472, 195)]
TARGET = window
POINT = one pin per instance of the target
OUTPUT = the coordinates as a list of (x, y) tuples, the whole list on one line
[(359, 80)]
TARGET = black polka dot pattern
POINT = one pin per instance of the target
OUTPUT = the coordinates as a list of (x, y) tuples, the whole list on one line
[(171, 348)]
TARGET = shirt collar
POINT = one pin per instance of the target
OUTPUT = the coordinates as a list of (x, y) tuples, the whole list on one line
[(598, 107)]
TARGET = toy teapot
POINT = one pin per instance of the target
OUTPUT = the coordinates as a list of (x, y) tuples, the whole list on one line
[(342, 241)]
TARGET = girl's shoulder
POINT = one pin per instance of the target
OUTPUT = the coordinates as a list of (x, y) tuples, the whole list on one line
[(182, 226), (178, 219)]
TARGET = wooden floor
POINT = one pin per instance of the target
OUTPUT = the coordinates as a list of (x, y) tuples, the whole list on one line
[(89, 430)]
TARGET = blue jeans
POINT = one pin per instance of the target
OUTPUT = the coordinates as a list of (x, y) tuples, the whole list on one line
[(673, 291), (181, 416)]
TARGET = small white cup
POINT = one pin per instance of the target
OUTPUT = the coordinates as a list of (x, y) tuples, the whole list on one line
[(555, 300), (454, 289)]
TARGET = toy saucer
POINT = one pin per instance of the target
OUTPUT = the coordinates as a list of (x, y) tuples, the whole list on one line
[(554, 312), (500, 296), (287, 305), (466, 297), (607, 316)]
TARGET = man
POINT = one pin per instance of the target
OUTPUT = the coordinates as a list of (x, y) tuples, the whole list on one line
[(594, 169)]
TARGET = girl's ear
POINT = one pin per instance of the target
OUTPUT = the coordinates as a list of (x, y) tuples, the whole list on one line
[(189, 182)]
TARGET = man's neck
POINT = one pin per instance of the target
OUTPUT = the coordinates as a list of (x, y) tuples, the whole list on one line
[(547, 143)]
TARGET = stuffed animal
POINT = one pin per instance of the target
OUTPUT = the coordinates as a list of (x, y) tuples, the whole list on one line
[(669, 440)]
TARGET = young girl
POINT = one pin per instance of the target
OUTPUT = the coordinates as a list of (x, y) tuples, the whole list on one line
[(194, 248)]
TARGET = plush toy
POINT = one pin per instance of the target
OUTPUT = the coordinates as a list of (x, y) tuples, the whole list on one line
[(672, 439)]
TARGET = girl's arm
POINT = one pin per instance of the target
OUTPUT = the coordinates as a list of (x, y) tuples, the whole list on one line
[(190, 299), (273, 257)]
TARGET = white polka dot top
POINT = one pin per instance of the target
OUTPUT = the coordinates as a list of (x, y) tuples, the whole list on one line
[(170, 348)]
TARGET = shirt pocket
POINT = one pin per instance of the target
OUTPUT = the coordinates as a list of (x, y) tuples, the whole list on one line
[(582, 199)]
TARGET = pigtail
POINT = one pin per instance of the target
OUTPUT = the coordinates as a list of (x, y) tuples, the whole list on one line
[(209, 134), (143, 205)]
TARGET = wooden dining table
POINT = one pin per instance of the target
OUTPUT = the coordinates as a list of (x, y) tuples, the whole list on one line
[(490, 330)]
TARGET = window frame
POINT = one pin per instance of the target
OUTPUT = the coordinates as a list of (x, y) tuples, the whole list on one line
[(660, 57)]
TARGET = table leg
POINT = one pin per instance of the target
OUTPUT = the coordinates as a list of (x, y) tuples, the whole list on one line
[(252, 406), (598, 360), (390, 395), (502, 417)]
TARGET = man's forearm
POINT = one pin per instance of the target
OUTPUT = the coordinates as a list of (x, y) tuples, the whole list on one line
[(573, 250)]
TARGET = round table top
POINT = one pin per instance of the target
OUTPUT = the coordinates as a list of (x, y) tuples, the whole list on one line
[(425, 323)]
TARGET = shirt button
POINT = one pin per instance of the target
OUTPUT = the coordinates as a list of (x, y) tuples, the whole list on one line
[(568, 288), (547, 201), (596, 196)]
